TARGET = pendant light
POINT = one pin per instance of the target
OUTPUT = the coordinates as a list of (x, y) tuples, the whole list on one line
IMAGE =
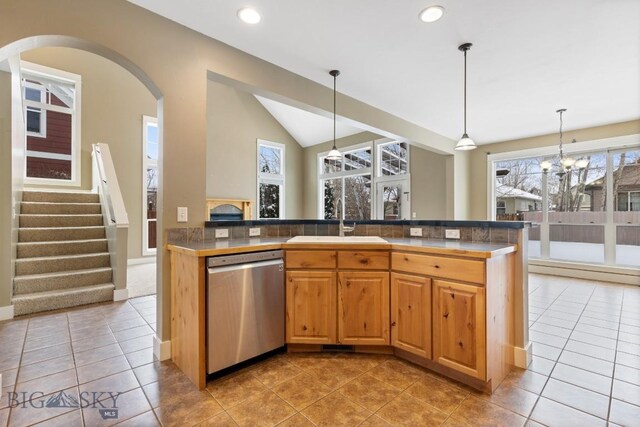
[(566, 163), (465, 142), (334, 154)]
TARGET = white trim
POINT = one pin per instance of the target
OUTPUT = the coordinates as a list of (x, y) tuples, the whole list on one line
[(36, 70), (273, 179), (6, 312), (603, 273), (147, 164), (161, 349), (522, 357), (143, 260), (44, 155), (120, 294), (601, 145)]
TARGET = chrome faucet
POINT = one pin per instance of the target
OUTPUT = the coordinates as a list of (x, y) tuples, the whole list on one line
[(344, 228)]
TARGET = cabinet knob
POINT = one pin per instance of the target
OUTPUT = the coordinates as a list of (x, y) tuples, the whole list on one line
[(393, 323), (446, 315)]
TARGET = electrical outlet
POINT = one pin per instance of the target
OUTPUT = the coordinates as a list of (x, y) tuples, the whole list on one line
[(183, 214), (414, 215), (415, 232), (222, 233), (452, 234), (254, 232)]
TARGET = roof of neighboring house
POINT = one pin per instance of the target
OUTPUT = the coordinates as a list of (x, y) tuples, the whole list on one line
[(630, 177), (508, 192)]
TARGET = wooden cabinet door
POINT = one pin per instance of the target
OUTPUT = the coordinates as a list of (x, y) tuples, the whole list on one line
[(363, 307), (411, 314), (311, 307), (459, 327)]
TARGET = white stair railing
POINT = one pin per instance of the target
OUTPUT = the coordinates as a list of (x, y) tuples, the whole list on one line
[(116, 220)]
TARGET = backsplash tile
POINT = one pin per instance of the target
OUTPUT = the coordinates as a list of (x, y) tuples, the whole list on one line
[(479, 234), (482, 234)]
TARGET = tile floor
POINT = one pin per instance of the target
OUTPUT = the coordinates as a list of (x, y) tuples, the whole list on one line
[(585, 371)]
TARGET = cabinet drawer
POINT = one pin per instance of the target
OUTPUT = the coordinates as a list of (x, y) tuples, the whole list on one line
[(357, 260), (449, 268), (310, 259)]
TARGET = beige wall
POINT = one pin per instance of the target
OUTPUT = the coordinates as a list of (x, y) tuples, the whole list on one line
[(428, 177), (173, 62), (6, 192), (478, 164), (235, 120), (113, 102), (428, 184)]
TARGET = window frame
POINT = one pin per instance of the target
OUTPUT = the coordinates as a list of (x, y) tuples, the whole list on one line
[(270, 178), (374, 171), (35, 105), (147, 164), (31, 70), (610, 147)]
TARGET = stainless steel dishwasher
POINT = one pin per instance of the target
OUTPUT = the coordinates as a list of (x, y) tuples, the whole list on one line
[(245, 307)]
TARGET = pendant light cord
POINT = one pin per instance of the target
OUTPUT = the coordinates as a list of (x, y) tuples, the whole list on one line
[(561, 153), (334, 111), (465, 91)]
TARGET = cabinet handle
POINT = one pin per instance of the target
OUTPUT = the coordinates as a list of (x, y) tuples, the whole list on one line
[(446, 315), (393, 323)]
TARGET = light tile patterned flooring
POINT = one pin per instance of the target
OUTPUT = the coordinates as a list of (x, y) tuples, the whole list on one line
[(585, 371)]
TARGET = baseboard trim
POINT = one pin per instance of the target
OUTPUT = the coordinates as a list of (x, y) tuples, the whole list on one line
[(121, 294), (6, 312), (144, 260), (614, 274), (522, 356), (161, 349)]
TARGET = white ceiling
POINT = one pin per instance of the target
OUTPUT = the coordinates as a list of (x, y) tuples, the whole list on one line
[(529, 57), (305, 127)]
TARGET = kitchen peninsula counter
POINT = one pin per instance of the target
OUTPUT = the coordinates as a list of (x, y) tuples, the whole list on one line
[(483, 277)]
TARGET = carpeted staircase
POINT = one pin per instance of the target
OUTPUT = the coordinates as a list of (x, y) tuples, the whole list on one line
[(63, 259)]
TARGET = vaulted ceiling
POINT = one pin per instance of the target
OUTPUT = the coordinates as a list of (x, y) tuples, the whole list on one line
[(529, 57)]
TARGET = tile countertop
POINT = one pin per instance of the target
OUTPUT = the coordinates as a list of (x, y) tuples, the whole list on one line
[(439, 247)]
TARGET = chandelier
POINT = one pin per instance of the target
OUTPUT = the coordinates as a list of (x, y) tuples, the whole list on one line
[(566, 163)]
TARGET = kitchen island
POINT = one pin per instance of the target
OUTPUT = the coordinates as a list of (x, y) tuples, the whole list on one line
[(446, 305)]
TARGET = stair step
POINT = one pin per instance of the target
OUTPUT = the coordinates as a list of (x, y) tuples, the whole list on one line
[(61, 280), (48, 234), (59, 208), (64, 247), (60, 197), (30, 221), (57, 299), (61, 263)]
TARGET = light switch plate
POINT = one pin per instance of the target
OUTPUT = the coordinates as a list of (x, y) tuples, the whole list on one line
[(452, 234), (254, 232), (183, 214), (221, 233), (415, 232)]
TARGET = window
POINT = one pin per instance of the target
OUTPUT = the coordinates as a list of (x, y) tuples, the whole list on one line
[(577, 219), (393, 159), (270, 180), (347, 186), (51, 100), (150, 139), (628, 201)]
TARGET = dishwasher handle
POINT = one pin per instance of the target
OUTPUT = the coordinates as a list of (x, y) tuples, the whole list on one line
[(248, 266)]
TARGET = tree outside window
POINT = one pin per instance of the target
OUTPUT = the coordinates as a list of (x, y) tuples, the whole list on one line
[(270, 180)]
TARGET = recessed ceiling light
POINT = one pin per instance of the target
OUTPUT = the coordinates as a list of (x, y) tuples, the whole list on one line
[(249, 15), (431, 14)]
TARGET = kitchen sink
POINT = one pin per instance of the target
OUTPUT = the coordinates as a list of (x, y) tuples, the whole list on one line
[(337, 239)]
